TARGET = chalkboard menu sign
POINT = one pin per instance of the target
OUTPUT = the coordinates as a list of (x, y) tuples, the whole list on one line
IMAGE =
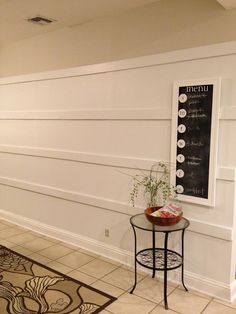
[(194, 139)]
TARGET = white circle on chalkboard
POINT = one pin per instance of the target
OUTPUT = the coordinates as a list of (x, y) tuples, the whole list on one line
[(183, 98), (181, 128), (181, 143), (180, 158), (179, 189), (182, 113), (180, 173)]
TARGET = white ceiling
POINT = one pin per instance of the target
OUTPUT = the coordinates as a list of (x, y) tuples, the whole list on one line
[(14, 13), (67, 13)]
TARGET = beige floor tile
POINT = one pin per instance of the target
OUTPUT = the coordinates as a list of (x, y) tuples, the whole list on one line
[(3, 226), (75, 259), (141, 270), (217, 308), (131, 304), (59, 267), (21, 250), (97, 268), (22, 238), (37, 244), (55, 251), (161, 310), (50, 239), (82, 277), (39, 258), (152, 289), (186, 302), (230, 304), (21, 228), (36, 234), (7, 243), (198, 293), (9, 232), (121, 278), (107, 288), (88, 252), (69, 245), (108, 260), (8, 223)]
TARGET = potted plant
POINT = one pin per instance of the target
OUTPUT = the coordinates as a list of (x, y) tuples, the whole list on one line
[(158, 192)]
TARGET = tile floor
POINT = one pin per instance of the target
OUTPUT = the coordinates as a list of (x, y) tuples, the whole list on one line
[(109, 276)]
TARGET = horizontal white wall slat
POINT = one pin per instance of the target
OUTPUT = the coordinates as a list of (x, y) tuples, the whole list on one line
[(198, 226), (68, 195), (226, 113), (106, 114), (223, 173)]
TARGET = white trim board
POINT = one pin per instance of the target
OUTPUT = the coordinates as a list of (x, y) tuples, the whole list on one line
[(161, 113), (192, 280), (83, 157), (223, 173), (196, 53), (197, 226), (222, 291), (101, 114)]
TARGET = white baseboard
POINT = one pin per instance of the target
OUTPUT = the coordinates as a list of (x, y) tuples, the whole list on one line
[(92, 245), (209, 286), (225, 292)]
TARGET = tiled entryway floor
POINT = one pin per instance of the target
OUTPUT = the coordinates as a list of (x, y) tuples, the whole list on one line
[(109, 276)]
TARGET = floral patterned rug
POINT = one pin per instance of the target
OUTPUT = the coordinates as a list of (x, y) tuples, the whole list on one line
[(27, 287)]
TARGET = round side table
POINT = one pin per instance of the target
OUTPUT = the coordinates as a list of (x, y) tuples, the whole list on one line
[(162, 259)]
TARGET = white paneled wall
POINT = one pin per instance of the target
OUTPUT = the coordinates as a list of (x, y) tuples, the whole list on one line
[(68, 138)]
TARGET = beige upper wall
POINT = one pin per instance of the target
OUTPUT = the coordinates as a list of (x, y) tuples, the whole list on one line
[(163, 26)]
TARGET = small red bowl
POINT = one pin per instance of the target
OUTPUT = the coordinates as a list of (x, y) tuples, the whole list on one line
[(161, 221)]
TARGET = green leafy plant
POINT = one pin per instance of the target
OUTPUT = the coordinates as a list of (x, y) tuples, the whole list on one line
[(154, 185)]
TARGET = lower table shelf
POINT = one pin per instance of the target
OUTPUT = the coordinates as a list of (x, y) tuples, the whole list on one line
[(145, 258)]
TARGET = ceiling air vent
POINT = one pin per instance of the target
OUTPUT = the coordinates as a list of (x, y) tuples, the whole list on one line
[(40, 20)]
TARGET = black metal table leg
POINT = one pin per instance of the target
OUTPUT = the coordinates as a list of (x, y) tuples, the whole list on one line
[(182, 268), (135, 260), (165, 270), (153, 254)]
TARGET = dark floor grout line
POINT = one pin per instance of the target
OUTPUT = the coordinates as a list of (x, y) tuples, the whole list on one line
[(101, 278), (57, 260), (103, 275), (223, 304), (210, 301)]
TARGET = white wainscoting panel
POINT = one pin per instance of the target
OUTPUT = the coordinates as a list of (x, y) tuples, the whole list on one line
[(68, 136)]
